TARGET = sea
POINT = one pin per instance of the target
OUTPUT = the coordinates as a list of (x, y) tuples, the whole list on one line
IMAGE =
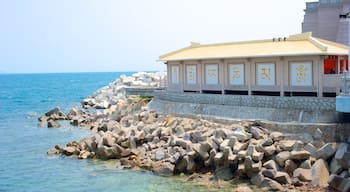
[(24, 163)]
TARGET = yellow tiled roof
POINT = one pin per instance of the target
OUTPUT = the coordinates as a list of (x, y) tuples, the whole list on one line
[(294, 45)]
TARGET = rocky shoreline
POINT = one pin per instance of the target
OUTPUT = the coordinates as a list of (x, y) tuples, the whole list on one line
[(170, 145)]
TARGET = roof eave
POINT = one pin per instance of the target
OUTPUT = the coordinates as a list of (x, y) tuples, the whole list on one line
[(256, 56)]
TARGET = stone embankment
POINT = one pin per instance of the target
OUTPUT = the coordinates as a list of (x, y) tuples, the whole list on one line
[(169, 145), (110, 94)]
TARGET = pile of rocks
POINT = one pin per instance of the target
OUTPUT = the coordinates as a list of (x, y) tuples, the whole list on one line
[(170, 145), (167, 145), (51, 118), (110, 94)]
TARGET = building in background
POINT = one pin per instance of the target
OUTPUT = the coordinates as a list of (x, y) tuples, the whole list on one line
[(300, 65), (322, 19)]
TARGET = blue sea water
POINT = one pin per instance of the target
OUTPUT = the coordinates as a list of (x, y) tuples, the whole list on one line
[(24, 164)]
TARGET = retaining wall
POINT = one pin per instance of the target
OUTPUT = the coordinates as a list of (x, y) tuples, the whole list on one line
[(279, 109)]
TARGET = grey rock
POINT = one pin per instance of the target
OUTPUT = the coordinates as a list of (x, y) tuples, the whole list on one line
[(163, 168), (257, 132), (298, 146), (290, 166), (343, 156), (311, 149), (303, 174), (282, 178), (53, 124), (270, 173), (335, 166), (159, 155), (271, 185), (327, 150), (266, 142), (271, 164), (299, 155), (277, 136), (306, 164), (257, 179), (339, 183), (70, 151), (224, 173), (282, 157), (56, 114), (270, 150), (241, 135), (344, 174), (286, 145)]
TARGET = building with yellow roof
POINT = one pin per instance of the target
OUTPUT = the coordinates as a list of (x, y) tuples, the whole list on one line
[(300, 65)]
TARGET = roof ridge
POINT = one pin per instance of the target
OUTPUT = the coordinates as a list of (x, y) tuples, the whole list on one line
[(318, 44)]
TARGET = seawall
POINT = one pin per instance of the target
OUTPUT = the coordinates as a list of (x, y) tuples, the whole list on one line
[(294, 115), (279, 109)]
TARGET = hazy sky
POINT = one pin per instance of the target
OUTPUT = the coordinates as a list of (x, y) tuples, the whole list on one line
[(113, 35)]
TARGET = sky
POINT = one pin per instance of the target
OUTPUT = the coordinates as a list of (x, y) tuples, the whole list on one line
[(50, 36)]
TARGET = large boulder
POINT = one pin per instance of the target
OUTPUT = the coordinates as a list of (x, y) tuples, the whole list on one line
[(257, 132), (271, 164), (241, 135), (224, 173), (105, 153), (286, 145), (271, 185), (335, 167), (311, 149), (319, 173), (343, 156), (163, 168), (290, 166), (70, 151), (282, 178), (299, 155), (56, 114), (282, 157), (326, 151), (257, 179), (303, 174), (53, 124), (339, 183)]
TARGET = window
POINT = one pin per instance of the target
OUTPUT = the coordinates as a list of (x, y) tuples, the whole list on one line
[(330, 65), (191, 74), (342, 60), (236, 74), (211, 74), (265, 74), (301, 73), (175, 74)]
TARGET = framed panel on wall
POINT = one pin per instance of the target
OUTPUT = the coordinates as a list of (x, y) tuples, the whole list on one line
[(236, 74), (211, 74), (175, 75), (265, 74), (301, 73), (191, 74)]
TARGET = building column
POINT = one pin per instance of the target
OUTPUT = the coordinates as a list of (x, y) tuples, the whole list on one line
[(281, 74), (182, 76), (249, 75), (320, 74), (222, 77), (201, 72)]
